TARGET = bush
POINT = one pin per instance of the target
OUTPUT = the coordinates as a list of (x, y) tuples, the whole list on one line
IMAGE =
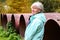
[(57, 10), (10, 33)]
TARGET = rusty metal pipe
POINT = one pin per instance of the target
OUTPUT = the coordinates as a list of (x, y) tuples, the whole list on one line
[(4, 20), (20, 21), (52, 30), (22, 25)]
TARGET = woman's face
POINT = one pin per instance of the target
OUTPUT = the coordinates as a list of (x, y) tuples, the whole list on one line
[(35, 10)]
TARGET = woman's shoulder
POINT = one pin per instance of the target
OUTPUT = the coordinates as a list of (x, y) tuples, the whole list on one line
[(41, 17)]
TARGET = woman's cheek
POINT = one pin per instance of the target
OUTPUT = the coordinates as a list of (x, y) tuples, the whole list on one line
[(33, 11)]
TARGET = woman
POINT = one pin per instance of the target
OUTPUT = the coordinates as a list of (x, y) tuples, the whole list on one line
[(35, 29)]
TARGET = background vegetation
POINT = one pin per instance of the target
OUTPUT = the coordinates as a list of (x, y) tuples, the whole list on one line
[(9, 33), (23, 6)]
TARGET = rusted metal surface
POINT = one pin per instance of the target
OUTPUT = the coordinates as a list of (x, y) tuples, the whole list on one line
[(54, 16), (9, 17), (22, 25), (52, 30), (52, 26), (20, 21), (4, 20), (0, 18)]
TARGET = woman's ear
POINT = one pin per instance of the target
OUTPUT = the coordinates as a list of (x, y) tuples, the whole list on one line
[(39, 10)]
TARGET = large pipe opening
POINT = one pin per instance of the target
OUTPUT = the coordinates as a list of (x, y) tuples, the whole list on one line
[(22, 25), (52, 30), (4, 20), (0, 19), (13, 20)]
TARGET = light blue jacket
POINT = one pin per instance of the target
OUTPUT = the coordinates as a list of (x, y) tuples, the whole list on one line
[(35, 29)]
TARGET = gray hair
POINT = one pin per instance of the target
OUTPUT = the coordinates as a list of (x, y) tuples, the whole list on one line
[(38, 5)]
